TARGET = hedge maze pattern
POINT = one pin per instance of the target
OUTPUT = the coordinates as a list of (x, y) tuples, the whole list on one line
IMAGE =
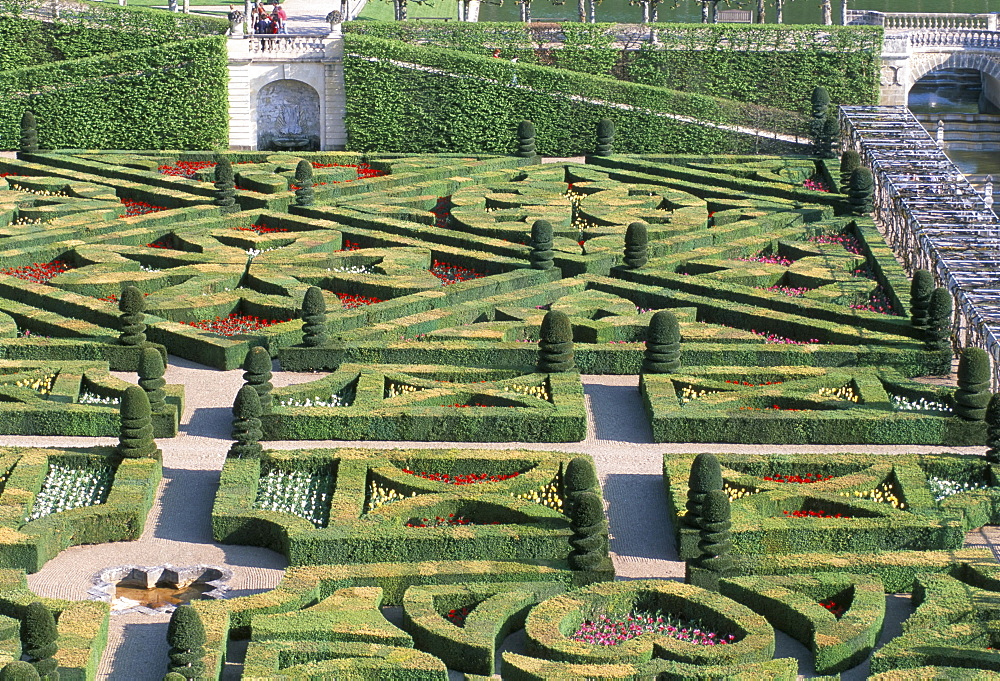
[(429, 281)]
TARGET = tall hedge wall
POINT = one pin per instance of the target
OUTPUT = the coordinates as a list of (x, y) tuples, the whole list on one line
[(771, 65), (463, 103), (25, 42), (165, 26), (173, 96)]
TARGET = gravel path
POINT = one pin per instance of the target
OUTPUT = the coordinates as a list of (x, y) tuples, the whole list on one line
[(178, 528)]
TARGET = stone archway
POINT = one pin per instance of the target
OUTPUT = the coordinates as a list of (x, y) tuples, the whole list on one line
[(288, 116)]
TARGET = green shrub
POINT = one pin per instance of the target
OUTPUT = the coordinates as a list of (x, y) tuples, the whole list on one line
[(590, 532), (713, 561), (605, 137), (29, 133), (973, 394), (525, 139), (19, 671), (257, 374), (314, 328), (993, 429), (921, 289), (706, 476), (850, 161), (938, 333), (38, 638), (136, 438), (636, 242), (861, 190), (663, 344), (555, 344), (541, 245), (151, 379), (133, 327), (304, 195), (225, 186), (246, 424), (186, 636), (819, 112)]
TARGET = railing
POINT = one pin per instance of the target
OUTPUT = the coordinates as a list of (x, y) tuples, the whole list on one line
[(955, 38), (280, 46), (936, 21)]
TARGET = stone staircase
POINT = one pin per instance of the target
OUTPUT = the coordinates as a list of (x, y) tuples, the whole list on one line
[(967, 132)]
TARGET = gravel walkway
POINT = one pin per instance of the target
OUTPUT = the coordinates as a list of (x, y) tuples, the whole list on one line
[(178, 529)]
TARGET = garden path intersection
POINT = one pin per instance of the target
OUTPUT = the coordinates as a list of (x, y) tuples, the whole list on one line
[(178, 528)]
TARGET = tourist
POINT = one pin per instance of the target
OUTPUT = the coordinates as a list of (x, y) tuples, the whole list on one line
[(264, 25), (279, 16)]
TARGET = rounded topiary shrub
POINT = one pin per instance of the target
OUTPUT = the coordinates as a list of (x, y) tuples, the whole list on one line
[(151, 379), (225, 186), (636, 245), (850, 161), (580, 475), (993, 429), (136, 437), (973, 394), (605, 137), (29, 133), (257, 374), (714, 542), (314, 330), (706, 475), (938, 331), (860, 191), (247, 431), (304, 194), (19, 671), (186, 637), (555, 343), (663, 344), (541, 245), (132, 305), (921, 289), (38, 639), (589, 540), (525, 139)]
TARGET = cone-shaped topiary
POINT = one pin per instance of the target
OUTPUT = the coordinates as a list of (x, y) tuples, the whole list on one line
[(589, 541), (850, 161), (819, 112), (19, 671), (541, 245), (29, 133), (993, 429), (973, 392), (246, 425), (225, 187), (827, 139), (555, 343), (186, 637), (525, 139), (151, 379), (663, 344), (636, 242), (859, 194), (314, 330), (921, 289), (136, 437), (714, 543), (132, 305), (938, 332), (38, 639), (605, 137), (257, 374), (304, 195), (706, 475)]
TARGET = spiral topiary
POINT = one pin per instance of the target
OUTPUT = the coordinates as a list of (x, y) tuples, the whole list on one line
[(541, 245), (605, 137), (19, 671), (993, 429), (525, 139), (850, 161), (636, 243), (257, 374), (921, 289), (225, 187), (305, 194), (151, 379), (827, 139), (246, 425), (973, 394), (706, 475), (589, 540), (555, 343), (186, 636), (819, 112), (714, 543), (859, 194), (314, 330), (132, 305), (136, 436), (29, 133), (38, 639), (938, 331), (663, 344), (578, 478)]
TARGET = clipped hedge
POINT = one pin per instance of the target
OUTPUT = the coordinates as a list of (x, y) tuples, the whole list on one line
[(28, 545), (423, 403), (375, 511), (521, 668)]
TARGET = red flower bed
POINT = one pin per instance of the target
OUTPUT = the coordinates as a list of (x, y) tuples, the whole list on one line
[(773, 407), (442, 211), (470, 479), (38, 272), (134, 208), (113, 298), (813, 514), (186, 169), (850, 243), (816, 184), (799, 479), (834, 607), (457, 617), (363, 170), (878, 302), (260, 229), (10, 175), (450, 274), (450, 521), (351, 301), (755, 385), (348, 246), (165, 241), (234, 324)]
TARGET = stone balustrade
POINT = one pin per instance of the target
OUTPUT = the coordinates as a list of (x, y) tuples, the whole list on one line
[(282, 47), (921, 21)]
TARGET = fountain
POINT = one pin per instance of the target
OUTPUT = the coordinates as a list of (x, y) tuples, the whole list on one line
[(158, 588)]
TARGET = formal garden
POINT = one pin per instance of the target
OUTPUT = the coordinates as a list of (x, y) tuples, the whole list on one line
[(420, 323)]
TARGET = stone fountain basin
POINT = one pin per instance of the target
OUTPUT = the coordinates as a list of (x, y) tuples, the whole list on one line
[(150, 576)]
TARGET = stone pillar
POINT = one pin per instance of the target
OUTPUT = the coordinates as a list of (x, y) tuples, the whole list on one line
[(894, 80)]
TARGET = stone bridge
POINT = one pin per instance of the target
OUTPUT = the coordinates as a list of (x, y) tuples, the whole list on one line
[(916, 44)]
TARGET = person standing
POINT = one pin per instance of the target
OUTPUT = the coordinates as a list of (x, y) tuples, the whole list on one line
[(279, 16)]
